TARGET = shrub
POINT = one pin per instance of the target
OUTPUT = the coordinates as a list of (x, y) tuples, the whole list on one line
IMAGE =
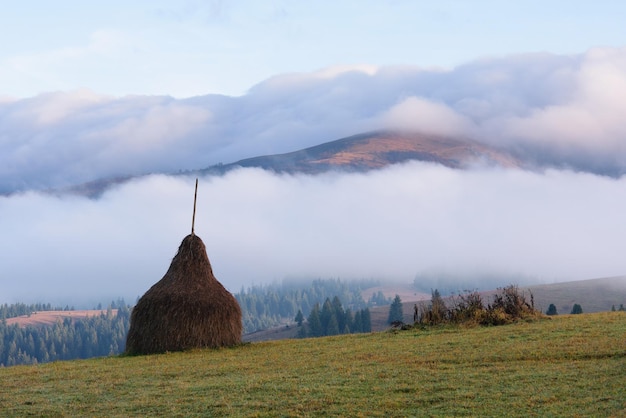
[(468, 307), (433, 314), (508, 305)]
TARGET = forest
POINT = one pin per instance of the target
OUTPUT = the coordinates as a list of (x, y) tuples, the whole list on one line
[(65, 340), (333, 319), (262, 307), (268, 306)]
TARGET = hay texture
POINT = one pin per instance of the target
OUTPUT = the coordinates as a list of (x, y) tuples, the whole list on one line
[(187, 308)]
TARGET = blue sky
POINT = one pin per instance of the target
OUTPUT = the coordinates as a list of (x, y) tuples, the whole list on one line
[(189, 48), (84, 89)]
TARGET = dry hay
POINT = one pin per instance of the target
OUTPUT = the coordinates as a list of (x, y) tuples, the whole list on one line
[(187, 308)]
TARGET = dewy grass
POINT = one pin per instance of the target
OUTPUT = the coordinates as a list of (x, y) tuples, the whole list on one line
[(565, 366)]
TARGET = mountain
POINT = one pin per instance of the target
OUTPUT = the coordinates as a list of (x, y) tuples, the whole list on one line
[(376, 150), (358, 153)]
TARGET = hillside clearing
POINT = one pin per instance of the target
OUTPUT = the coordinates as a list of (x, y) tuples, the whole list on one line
[(569, 365), (51, 317)]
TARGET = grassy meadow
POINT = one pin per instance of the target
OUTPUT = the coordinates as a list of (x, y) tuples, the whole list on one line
[(569, 365)]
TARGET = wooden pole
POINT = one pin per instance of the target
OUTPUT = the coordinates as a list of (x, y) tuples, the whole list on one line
[(193, 218)]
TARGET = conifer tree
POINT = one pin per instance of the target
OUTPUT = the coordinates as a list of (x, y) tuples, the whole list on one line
[(349, 322), (299, 318), (367, 320), (301, 333), (551, 310), (395, 311), (315, 325), (333, 326), (358, 322), (326, 315), (339, 313)]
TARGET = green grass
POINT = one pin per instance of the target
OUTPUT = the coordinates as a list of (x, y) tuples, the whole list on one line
[(570, 365)]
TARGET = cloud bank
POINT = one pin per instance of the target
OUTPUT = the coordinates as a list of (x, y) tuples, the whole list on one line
[(567, 111), (394, 224), (560, 223)]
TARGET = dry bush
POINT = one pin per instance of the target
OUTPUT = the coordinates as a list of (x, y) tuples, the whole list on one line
[(468, 308), (509, 305), (433, 314)]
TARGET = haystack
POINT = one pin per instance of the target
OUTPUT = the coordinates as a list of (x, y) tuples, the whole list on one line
[(187, 308)]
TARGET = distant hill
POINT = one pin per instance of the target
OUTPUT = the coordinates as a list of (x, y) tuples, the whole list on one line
[(595, 295), (358, 153), (376, 150)]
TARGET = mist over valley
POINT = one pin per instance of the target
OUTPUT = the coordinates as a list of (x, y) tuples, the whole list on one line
[(498, 170)]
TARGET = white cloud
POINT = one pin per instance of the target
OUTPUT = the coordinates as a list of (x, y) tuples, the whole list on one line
[(565, 110), (394, 223), (417, 114), (391, 224)]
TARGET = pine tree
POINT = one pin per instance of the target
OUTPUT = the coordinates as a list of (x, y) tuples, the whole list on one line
[(357, 325), (577, 309), (339, 313), (551, 310), (395, 311), (333, 326), (349, 322), (301, 333), (367, 320), (315, 325), (326, 315), (299, 318)]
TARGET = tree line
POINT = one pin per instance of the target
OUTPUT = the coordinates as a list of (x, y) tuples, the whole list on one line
[(20, 309), (96, 336), (332, 319), (272, 305)]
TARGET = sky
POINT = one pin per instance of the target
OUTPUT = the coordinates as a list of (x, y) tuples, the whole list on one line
[(190, 48), (104, 89)]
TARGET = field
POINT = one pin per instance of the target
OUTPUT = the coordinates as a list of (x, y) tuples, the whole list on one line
[(51, 317), (570, 365)]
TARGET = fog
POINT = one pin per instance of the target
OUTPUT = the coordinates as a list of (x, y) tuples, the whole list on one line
[(562, 220), (394, 224)]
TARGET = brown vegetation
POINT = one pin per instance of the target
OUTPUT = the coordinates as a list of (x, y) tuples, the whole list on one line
[(508, 305), (187, 308)]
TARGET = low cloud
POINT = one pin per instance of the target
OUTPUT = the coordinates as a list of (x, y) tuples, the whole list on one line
[(394, 224), (420, 115), (564, 111), (560, 223)]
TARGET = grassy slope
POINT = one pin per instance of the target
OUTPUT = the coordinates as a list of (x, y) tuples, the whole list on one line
[(569, 365), (594, 295)]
